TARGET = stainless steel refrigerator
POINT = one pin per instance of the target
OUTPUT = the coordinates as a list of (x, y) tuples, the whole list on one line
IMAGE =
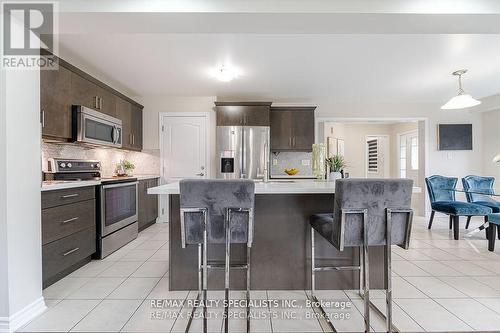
[(243, 152)]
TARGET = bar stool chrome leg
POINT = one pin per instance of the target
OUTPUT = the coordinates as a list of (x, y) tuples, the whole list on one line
[(205, 277), (248, 288), (366, 273), (226, 269)]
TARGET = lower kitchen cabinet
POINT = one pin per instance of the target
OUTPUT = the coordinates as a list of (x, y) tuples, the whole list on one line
[(148, 203), (68, 231)]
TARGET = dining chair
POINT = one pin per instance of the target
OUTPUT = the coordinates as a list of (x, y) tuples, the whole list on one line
[(441, 191), (493, 223), (483, 185)]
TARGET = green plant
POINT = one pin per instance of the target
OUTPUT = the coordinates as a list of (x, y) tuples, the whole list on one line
[(127, 165), (336, 163)]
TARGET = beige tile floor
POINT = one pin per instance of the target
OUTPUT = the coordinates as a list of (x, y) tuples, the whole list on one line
[(439, 285)]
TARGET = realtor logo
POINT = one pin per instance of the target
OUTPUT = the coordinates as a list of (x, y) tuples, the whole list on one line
[(27, 28)]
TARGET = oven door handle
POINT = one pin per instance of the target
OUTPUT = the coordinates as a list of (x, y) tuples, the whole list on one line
[(120, 184)]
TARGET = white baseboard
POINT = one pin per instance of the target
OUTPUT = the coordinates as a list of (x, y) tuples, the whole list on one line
[(22, 317)]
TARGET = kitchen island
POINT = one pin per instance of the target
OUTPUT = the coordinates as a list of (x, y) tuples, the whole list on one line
[(280, 254)]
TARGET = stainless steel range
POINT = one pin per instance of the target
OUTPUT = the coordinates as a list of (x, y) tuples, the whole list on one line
[(117, 201)]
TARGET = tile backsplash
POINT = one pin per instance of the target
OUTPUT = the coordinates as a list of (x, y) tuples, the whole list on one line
[(146, 162), (288, 160)]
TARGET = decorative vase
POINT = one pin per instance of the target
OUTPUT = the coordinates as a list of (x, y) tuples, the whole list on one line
[(335, 175), (318, 161)]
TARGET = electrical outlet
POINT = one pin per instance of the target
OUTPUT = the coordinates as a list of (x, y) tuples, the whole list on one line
[(275, 161), (306, 162), (449, 156)]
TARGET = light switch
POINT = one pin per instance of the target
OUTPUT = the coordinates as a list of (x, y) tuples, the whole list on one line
[(449, 155), (275, 161), (306, 162)]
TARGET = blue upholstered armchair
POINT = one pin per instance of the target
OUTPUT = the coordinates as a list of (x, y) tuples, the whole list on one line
[(483, 185), (442, 199)]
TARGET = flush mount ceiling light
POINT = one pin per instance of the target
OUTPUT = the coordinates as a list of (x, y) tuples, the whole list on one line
[(462, 100), (225, 73)]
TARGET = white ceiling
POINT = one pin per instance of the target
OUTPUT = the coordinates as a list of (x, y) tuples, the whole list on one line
[(342, 68)]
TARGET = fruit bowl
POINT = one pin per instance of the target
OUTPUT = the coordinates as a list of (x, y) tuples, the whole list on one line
[(291, 172)]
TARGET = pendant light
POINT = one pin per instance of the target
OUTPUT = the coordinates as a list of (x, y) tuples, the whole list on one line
[(462, 100)]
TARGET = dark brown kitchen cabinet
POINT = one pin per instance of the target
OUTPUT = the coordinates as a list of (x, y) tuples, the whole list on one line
[(242, 113), (131, 117), (55, 103), (67, 86), (83, 92), (292, 128), (68, 231), (124, 112), (136, 127), (87, 93), (148, 203)]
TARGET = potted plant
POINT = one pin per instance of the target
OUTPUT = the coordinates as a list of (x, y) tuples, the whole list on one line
[(124, 168), (336, 164)]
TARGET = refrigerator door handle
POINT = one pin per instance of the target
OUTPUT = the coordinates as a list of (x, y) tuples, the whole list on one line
[(243, 152)]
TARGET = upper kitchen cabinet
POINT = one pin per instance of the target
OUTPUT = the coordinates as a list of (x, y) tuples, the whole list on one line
[(243, 113), (292, 128), (131, 116), (87, 93), (136, 127), (55, 103), (67, 86)]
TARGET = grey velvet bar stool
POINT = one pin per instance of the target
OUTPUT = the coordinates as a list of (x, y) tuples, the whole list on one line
[(367, 212), (217, 212)]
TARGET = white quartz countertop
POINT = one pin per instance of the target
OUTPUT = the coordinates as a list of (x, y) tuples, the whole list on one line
[(278, 187), (59, 185), (272, 187)]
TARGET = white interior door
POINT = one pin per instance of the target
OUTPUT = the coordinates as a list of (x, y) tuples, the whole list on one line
[(184, 147)]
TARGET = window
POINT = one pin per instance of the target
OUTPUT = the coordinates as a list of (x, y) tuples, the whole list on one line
[(372, 155), (402, 157), (414, 153)]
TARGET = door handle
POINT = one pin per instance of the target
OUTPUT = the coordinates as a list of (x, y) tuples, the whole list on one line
[(201, 174)]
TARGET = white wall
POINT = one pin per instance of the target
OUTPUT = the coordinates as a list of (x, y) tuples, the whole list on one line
[(491, 144), (20, 177)]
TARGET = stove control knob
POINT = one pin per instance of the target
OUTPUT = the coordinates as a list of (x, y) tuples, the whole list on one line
[(97, 166), (69, 165), (62, 165)]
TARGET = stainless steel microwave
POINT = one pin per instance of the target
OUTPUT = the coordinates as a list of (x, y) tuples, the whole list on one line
[(95, 128)]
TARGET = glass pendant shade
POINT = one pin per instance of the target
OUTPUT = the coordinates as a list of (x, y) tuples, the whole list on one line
[(461, 102)]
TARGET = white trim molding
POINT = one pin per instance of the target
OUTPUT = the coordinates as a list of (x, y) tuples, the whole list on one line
[(23, 316)]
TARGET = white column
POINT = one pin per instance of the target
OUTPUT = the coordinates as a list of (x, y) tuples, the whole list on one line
[(20, 222)]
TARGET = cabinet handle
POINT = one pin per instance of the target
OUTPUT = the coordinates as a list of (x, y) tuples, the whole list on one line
[(71, 251), (290, 141), (133, 139), (70, 220), (43, 118), (293, 140), (69, 196), (100, 103), (130, 138)]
